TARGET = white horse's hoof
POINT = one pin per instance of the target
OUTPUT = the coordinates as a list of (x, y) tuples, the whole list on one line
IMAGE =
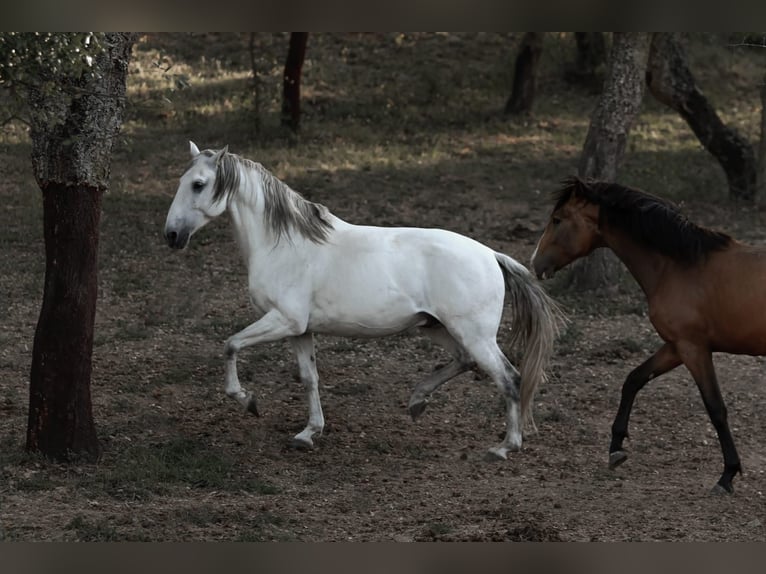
[(616, 458), (496, 453), (252, 406), (301, 443), (417, 408)]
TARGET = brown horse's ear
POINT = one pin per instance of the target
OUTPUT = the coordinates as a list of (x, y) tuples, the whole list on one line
[(573, 185), (219, 154), (580, 186)]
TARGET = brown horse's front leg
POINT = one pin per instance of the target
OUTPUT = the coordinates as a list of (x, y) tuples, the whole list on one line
[(699, 361), (662, 361)]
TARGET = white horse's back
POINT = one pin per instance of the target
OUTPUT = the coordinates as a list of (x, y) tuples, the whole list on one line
[(372, 281)]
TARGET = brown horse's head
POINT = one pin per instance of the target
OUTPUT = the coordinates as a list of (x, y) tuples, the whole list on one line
[(572, 232)]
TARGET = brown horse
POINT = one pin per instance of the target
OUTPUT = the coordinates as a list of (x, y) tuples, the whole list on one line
[(705, 290)]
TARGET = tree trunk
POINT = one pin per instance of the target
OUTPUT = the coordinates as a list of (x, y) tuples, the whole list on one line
[(525, 74), (762, 145), (60, 414), (256, 84), (672, 83), (72, 135), (291, 94), (605, 142), (588, 69)]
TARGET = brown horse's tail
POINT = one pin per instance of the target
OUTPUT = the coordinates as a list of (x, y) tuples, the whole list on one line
[(535, 325)]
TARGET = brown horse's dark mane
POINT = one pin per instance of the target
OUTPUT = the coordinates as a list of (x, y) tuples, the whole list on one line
[(649, 220)]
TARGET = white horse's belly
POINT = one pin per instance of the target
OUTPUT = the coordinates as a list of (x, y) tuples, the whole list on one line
[(365, 329), (370, 321)]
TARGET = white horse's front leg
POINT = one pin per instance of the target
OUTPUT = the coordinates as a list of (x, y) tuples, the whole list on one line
[(273, 326), (303, 346)]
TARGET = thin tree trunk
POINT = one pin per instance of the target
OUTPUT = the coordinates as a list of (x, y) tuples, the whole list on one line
[(256, 85), (291, 100), (607, 137), (588, 69), (762, 145), (525, 74), (672, 83), (71, 157)]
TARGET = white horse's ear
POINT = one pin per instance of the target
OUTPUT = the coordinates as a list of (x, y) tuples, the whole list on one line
[(220, 153), (193, 149)]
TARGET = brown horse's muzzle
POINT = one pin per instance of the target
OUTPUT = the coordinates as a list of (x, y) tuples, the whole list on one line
[(543, 266)]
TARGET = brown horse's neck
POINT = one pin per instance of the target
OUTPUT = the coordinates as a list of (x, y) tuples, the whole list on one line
[(644, 264)]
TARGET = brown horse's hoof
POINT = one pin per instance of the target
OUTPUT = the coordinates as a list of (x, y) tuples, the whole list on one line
[(616, 458), (252, 407), (721, 490)]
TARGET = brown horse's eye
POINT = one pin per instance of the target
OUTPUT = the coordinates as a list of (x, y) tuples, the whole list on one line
[(555, 220)]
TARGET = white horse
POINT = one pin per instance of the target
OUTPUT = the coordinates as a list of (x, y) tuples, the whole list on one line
[(311, 272)]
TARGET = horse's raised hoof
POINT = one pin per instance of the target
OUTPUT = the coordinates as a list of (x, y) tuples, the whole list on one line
[(722, 490), (417, 409), (616, 458), (252, 407)]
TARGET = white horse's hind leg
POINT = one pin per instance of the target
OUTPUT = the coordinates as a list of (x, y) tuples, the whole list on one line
[(491, 359), (460, 364), (273, 326), (419, 397), (303, 347)]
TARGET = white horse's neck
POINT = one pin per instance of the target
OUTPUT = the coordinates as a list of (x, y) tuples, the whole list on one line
[(246, 210)]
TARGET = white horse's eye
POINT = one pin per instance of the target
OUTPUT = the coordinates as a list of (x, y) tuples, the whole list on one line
[(198, 186)]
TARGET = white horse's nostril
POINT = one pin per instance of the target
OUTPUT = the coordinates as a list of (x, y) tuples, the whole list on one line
[(170, 237)]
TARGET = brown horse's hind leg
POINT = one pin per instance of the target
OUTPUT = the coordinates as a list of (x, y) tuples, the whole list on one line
[(700, 364), (663, 360)]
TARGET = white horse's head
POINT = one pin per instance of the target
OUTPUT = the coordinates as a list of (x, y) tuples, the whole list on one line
[(195, 203)]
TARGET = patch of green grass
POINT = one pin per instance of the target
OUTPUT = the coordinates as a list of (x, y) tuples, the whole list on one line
[(263, 527), (379, 446), (568, 338), (92, 531), (131, 331), (38, 482), (439, 529), (142, 471)]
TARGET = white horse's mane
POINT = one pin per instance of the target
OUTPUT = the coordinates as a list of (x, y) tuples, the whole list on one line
[(285, 210)]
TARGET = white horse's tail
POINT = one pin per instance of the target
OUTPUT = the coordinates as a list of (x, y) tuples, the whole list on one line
[(535, 325)]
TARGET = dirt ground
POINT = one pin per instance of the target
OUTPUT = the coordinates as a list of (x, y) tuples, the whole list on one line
[(374, 474), (182, 462)]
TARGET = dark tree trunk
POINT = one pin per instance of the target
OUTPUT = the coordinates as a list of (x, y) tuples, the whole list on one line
[(256, 84), (588, 69), (291, 95), (60, 414), (605, 142), (762, 145), (672, 83), (525, 74), (72, 135)]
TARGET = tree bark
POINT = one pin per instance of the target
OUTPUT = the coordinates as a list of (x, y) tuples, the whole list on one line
[(590, 61), (291, 92), (607, 137), (762, 145), (525, 74), (72, 135), (60, 413), (672, 83)]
